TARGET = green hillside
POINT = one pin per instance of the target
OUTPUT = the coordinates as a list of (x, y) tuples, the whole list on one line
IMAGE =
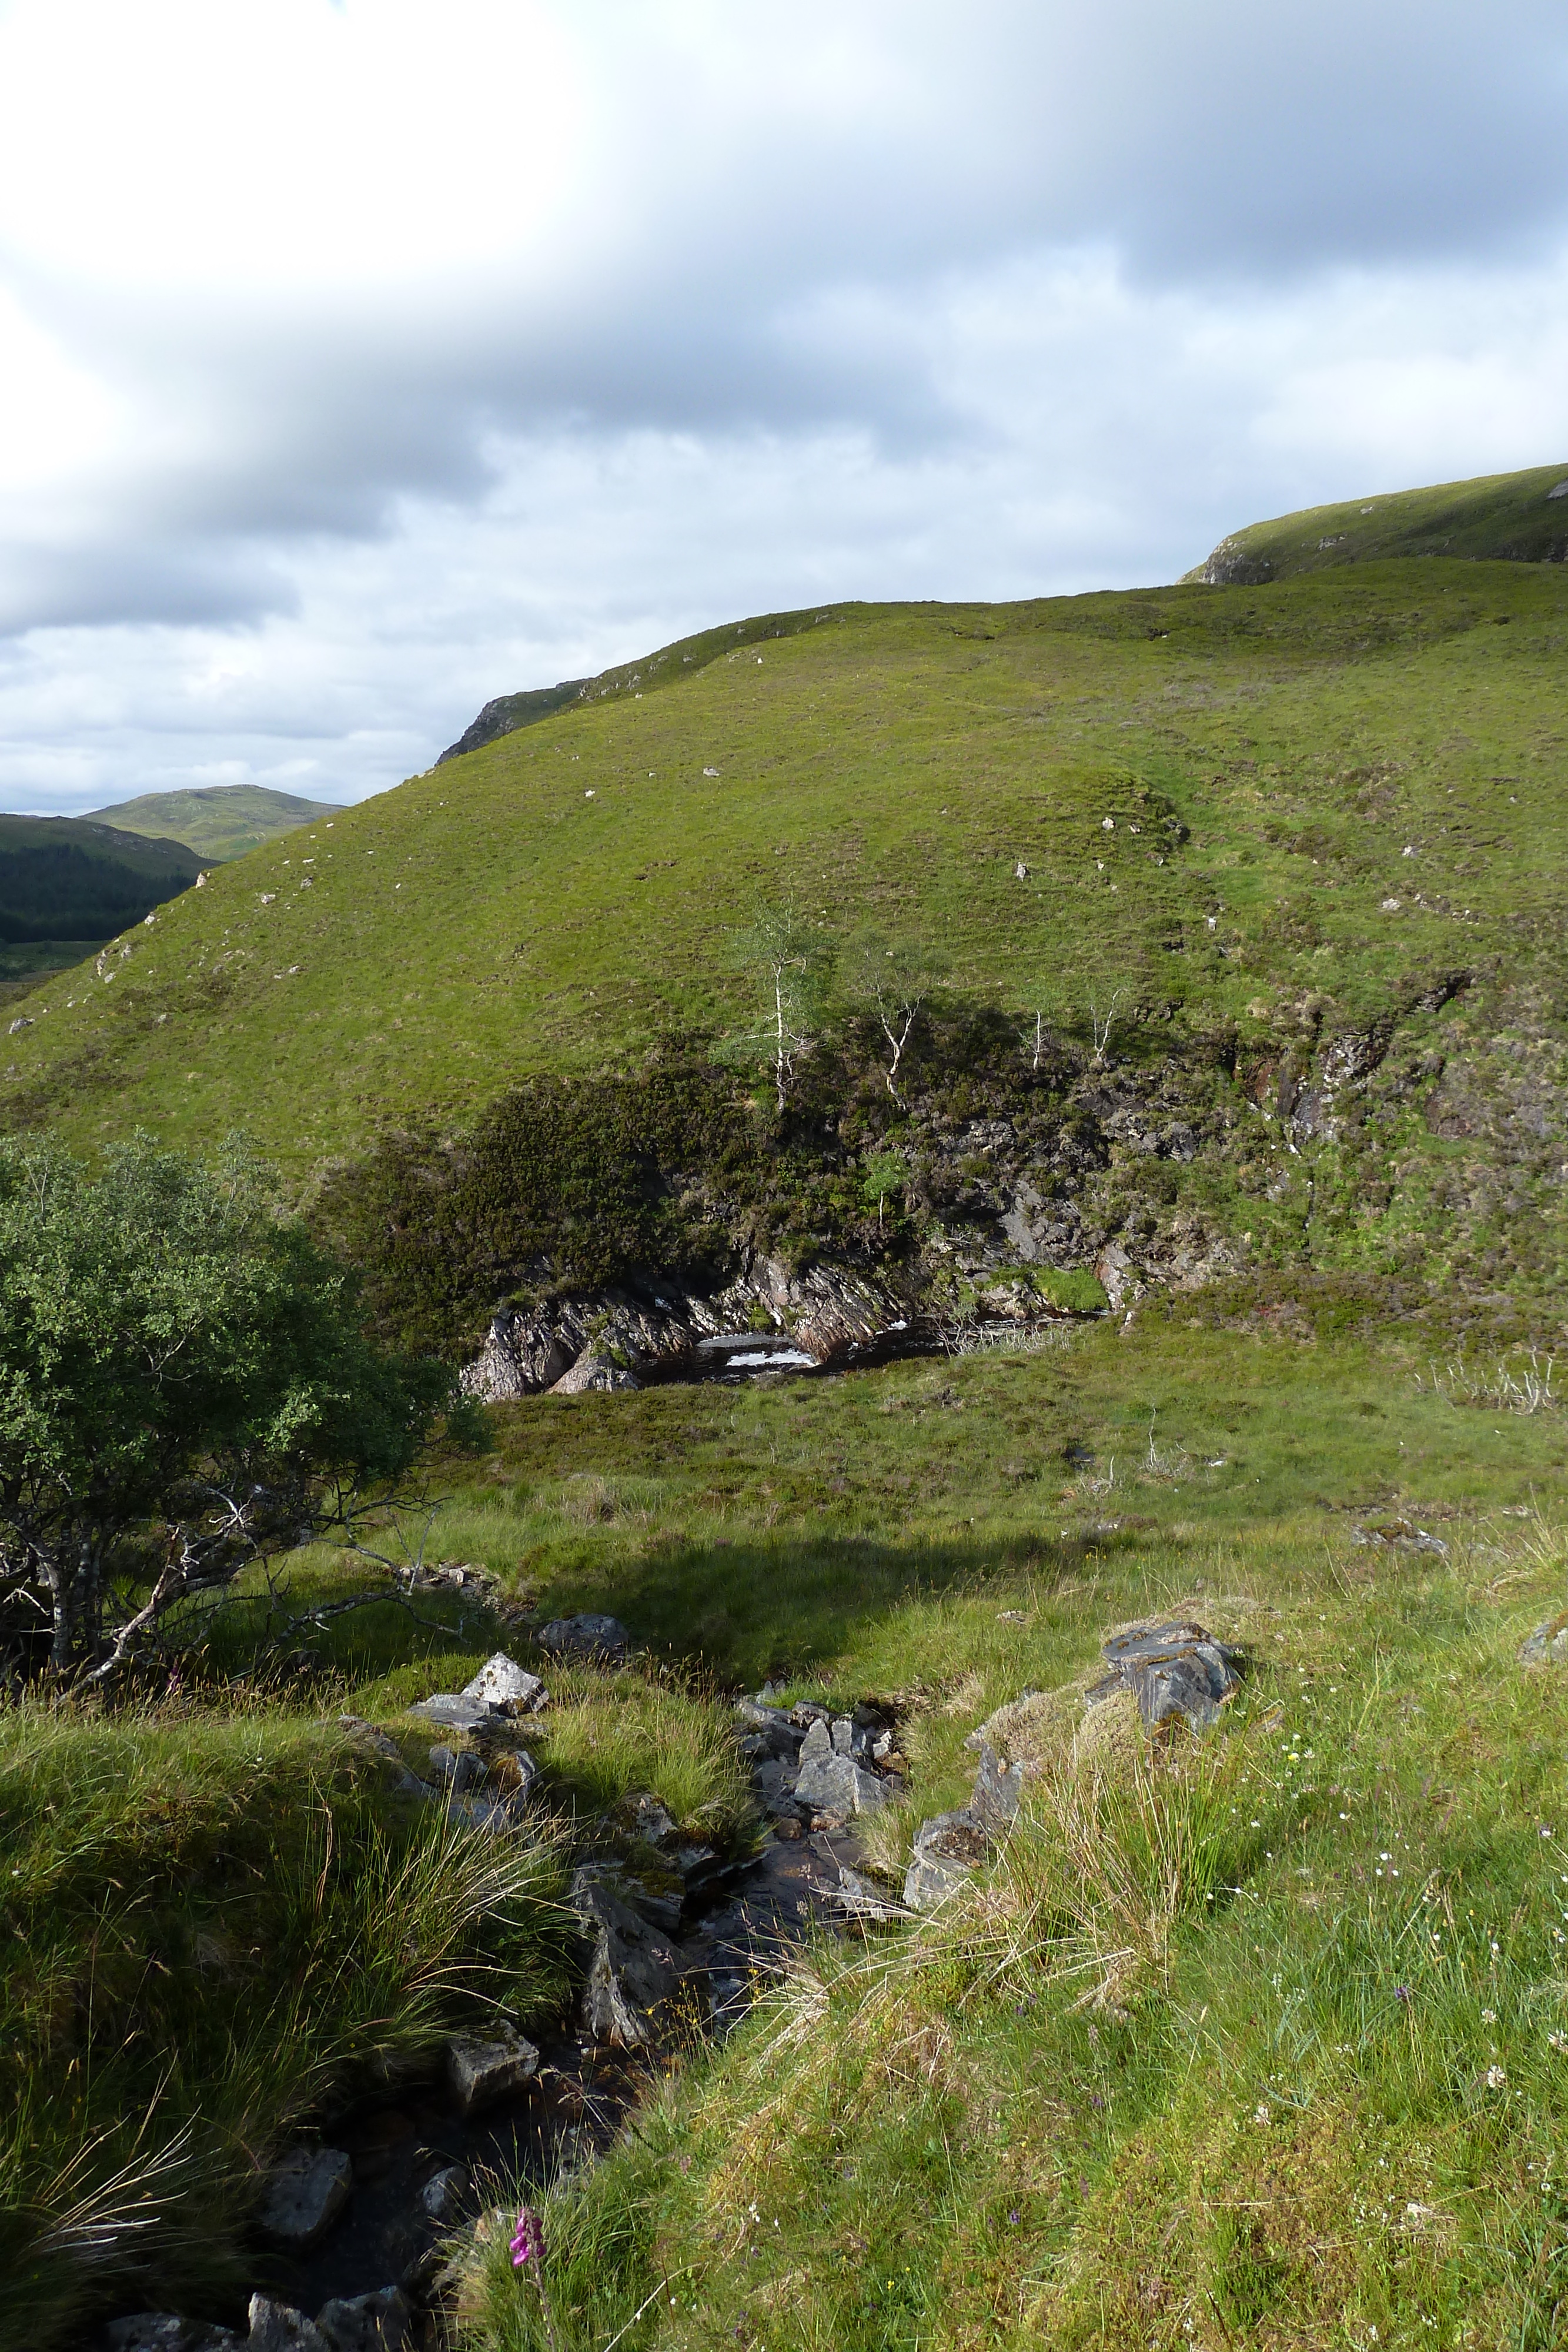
[(1507, 517), (65, 878), (217, 821), (563, 897)]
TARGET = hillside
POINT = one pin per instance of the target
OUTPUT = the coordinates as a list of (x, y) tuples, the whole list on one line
[(1304, 844), (217, 821), (66, 879), (1504, 518)]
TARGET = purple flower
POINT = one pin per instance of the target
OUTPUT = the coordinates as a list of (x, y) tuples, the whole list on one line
[(1401, 1992), (1014, 2219), (527, 2241)]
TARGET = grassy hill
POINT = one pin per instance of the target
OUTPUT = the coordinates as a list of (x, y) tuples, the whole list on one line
[(1507, 517), (1369, 765), (217, 821)]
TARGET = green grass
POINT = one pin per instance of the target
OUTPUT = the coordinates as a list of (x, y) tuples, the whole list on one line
[(892, 764), (1212, 2044), (1512, 517)]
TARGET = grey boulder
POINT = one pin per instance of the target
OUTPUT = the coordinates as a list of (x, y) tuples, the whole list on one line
[(584, 1637), (1175, 1669), (836, 1784), (481, 2072), (443, 2194), (278, 2327), (365, 2322), (306, 2191), (948, 1848), (506, 1687)]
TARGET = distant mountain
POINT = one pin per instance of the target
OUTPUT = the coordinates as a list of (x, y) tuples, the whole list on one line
[(217, 821), (68, 880), (1510, 518), (508, 712)]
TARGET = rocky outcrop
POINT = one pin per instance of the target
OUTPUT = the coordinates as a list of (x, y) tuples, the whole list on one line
[(1171, 1670)]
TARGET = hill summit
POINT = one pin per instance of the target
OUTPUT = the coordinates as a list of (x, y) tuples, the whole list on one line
[(1504, 518), (217, 821)]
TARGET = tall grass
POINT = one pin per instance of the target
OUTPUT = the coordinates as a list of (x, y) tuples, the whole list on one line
[(214, 1923)]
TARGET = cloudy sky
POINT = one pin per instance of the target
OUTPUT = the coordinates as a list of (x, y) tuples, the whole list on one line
[(362, 359)]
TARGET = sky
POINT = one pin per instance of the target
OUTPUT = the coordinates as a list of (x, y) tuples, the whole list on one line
[(361, 359)]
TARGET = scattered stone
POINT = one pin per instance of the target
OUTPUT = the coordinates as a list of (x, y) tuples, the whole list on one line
[(584, 1637), (278, 2327), (451, 1711), (506, 1687), (480, 2073), (837, 1785), (444, 2193), (948, 1849), (844, 1736), (789, 1828), (306, 2191), (1548, 1645), (632, 1970), (1400, 1535), (366, 2322), (1177, 1669)]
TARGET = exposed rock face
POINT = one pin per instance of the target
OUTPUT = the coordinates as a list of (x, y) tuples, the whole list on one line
[(505, 713)]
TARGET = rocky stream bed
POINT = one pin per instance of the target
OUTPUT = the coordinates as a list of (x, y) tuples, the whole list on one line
[(356, 2223)]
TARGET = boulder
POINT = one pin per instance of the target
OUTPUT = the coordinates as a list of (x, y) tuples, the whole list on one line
[(584, 1637), (521, 1355), (306, 2191), (278, 2327), (366, 2322), (481, 2072), (633, 1968), (818, 1744), (836, 1784), (1175, 1669), (505, 1688), (444, 2193), (948, 1849)]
